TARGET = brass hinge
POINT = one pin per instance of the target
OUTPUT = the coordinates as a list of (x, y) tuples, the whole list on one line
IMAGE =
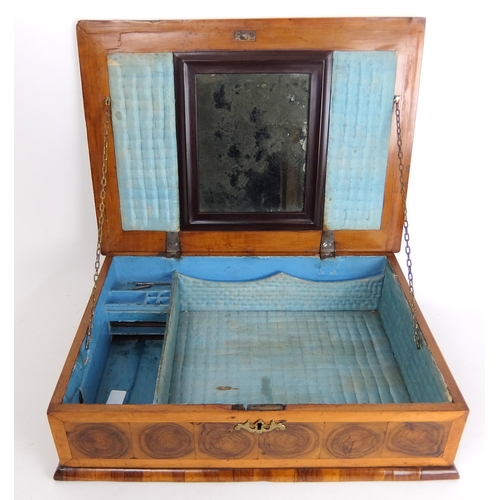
[(327, 248), (173, 245)]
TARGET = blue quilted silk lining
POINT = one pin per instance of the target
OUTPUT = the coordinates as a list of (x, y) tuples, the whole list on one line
[(280, 292), (360, 125), (279, 340), (288, 357), (422, 377), (144, 131), (296, 330)]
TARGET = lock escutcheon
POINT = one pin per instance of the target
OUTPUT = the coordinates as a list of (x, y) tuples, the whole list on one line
[(260, 426)]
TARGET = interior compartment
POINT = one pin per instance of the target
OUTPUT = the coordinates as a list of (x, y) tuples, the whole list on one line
[(258, 330)]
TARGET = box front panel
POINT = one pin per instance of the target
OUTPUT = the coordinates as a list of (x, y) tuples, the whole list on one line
[(344, 442)]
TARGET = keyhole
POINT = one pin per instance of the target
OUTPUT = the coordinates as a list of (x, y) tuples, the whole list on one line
[(259, 426)]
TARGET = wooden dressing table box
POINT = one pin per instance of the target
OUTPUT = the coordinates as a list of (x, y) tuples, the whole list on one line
[(249, 320)]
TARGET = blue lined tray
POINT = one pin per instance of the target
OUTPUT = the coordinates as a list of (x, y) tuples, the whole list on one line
[(244, 331)]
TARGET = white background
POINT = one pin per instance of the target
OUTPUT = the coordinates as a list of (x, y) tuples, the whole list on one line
[(454, 169)]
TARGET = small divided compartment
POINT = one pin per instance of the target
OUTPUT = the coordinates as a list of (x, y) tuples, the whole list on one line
[(129, 332)]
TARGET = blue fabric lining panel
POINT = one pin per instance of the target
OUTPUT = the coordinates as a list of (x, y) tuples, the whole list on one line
[(90, 364), (144, 132), (288, 357), (422, 377), (126, 303), (129, 268), (280, 292), (132, 366), (360, 125)]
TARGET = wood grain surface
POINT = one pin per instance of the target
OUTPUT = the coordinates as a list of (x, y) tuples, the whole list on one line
[(247, 475)]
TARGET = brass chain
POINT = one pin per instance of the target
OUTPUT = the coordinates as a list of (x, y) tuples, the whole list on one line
[(100, 219), (404, 192)]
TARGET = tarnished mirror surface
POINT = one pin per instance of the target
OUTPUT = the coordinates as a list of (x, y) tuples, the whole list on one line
[(252, 141)]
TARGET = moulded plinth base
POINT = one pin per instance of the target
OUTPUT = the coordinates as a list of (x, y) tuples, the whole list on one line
[(247, 475)]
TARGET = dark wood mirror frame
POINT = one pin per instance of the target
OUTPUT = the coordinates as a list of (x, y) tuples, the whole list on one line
[(316, 64)]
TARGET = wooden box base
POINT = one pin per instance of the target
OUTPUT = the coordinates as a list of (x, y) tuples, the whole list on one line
[(335, 474)]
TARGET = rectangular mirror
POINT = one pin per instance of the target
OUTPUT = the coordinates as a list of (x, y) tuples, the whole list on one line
[(252, 138)]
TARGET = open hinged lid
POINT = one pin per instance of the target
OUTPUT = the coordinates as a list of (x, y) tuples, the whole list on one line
[(244, 137)]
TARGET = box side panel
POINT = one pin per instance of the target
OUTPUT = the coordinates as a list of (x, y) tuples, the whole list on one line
[(454, 438), (60, 439), (423, 379)]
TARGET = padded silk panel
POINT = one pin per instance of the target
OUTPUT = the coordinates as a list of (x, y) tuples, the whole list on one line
[(292, 357), (422, 377), (128, 268), (281, 340), (360, 125), (280, 293), (143, 115)]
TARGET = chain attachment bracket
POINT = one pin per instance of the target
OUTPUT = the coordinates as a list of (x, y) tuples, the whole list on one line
[(327, 248), (417, 334), (100, 218)]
